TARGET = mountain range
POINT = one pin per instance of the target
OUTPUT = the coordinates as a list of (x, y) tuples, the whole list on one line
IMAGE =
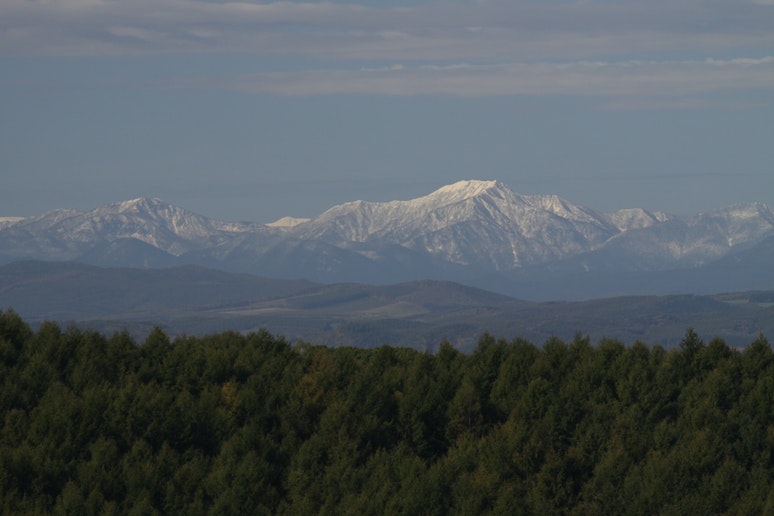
[(478, 233)]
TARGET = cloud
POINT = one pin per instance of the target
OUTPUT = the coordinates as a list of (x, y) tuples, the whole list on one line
[(513, 30), (649, 79), (648, 48)]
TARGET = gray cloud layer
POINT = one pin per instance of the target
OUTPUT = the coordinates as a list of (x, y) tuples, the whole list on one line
[(606, 79), (506, 47)]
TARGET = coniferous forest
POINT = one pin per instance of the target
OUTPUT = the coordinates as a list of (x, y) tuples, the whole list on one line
[(250, 424)]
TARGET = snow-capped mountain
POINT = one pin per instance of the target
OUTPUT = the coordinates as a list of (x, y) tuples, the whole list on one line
[(471, 223), (67, 234), (478, 232), (683, 243), (6, 222)]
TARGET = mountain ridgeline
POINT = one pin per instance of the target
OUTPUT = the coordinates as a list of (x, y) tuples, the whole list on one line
[(478, 233)]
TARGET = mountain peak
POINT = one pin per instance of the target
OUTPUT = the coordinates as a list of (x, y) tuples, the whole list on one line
[(6, 222), (467, 189), (746, 209), (138, 204), (287, 222)]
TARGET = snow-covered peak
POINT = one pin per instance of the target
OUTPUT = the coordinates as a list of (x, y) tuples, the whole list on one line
[(744, 215), (48, 219), (738, 224), (9, 221), (361, 220), (636, 218), (287, 222), (446, 195), (467, 222), (461, 193), (149, 220), (471, 223), (743, 211), (564, 209), (466, 189), (138, 204), (152, 208)]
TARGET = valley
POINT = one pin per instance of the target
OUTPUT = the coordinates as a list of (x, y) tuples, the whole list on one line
[(419, 314)]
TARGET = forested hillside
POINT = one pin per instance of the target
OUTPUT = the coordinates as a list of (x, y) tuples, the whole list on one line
[(248, 424)]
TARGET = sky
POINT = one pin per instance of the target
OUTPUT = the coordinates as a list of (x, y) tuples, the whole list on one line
[(243, 110)]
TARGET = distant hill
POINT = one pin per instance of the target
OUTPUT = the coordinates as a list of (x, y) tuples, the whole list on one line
[(478, 233), (74, 291), (418, 314)]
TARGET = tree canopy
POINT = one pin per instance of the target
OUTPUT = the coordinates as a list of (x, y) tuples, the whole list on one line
[(234, 423)]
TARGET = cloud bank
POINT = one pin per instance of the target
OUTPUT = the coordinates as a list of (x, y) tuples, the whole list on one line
[(483, 30), (607, 79), (483, 48)]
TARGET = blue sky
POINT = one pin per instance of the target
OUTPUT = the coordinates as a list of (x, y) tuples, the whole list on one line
[(257, 110)]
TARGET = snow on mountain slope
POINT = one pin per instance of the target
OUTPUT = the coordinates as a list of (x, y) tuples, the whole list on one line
[(9, 221), (46, 220), (683, 243), (711, 235), (636, 218), (287, 222), (469, 229), (360, 221), (147, 216), (739, 224), (470, 223), (152, 221)]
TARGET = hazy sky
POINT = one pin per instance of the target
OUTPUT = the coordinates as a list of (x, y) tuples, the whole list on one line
[(254, 110)]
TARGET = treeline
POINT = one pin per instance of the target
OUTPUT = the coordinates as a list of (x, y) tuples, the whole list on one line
[(248, 424)]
